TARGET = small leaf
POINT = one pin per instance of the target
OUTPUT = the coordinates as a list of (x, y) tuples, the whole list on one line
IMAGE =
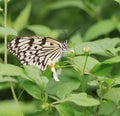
[(79, 62), (32, 89), (7, 79), (113, 94), (101, 70), (22, 19), (98, 29), (82, 99), (11, 70), (105, 67), (112, 60), (7, 31), (65, 109)]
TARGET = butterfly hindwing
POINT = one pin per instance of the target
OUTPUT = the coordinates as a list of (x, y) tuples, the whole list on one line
[(38, 51)]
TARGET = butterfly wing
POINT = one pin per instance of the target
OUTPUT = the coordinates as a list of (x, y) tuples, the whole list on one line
[(38, 51)]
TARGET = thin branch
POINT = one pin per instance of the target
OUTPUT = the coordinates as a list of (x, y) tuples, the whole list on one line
[(5, 36)]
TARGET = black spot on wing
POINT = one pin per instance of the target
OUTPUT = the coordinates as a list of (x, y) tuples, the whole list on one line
[(31, 41), (17, 40), (35, 47), (51, 44), (30, 52), (43, 41)]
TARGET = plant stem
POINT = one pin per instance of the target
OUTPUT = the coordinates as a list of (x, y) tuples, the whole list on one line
[(15, 98), (83, 84), (5, 53), (13, 93), (57, 102), (5, 36), (85, 64), (101, 97)]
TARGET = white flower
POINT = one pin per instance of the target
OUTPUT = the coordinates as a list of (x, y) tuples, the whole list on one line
[(55, 74)]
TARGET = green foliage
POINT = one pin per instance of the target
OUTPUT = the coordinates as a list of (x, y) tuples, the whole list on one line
[(117, 1), (90, 76), (101, 28), (113, 94), (23, 16), (41, 30), (82, 100), (11, 70), (8, 31)]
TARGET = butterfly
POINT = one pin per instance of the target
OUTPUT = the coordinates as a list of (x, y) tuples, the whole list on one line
[(37, 51)]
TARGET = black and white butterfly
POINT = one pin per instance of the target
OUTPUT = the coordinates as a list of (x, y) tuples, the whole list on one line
[(38, 51)]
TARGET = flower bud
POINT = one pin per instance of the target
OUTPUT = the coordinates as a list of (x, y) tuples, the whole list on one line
[(86, 50)]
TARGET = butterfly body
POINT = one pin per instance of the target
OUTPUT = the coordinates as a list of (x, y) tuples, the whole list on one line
[(38, 51)]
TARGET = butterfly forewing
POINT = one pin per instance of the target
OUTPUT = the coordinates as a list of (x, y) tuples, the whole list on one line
[(38, 51)]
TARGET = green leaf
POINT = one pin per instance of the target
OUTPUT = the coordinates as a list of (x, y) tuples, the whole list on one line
[(1, 9), (113, 94), (32, 89), (106, 107), (68, 83), (99, 46), (35, 74), (7, 79), (118, 1), (112, 60), (11, 70), (64, 4), (22, 19), (39, 29), (98, 29), (65, 109), (14, 109), (101, 69), (79, 62), (105, 67), (82, 99), (7, 31), (76, 39)]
